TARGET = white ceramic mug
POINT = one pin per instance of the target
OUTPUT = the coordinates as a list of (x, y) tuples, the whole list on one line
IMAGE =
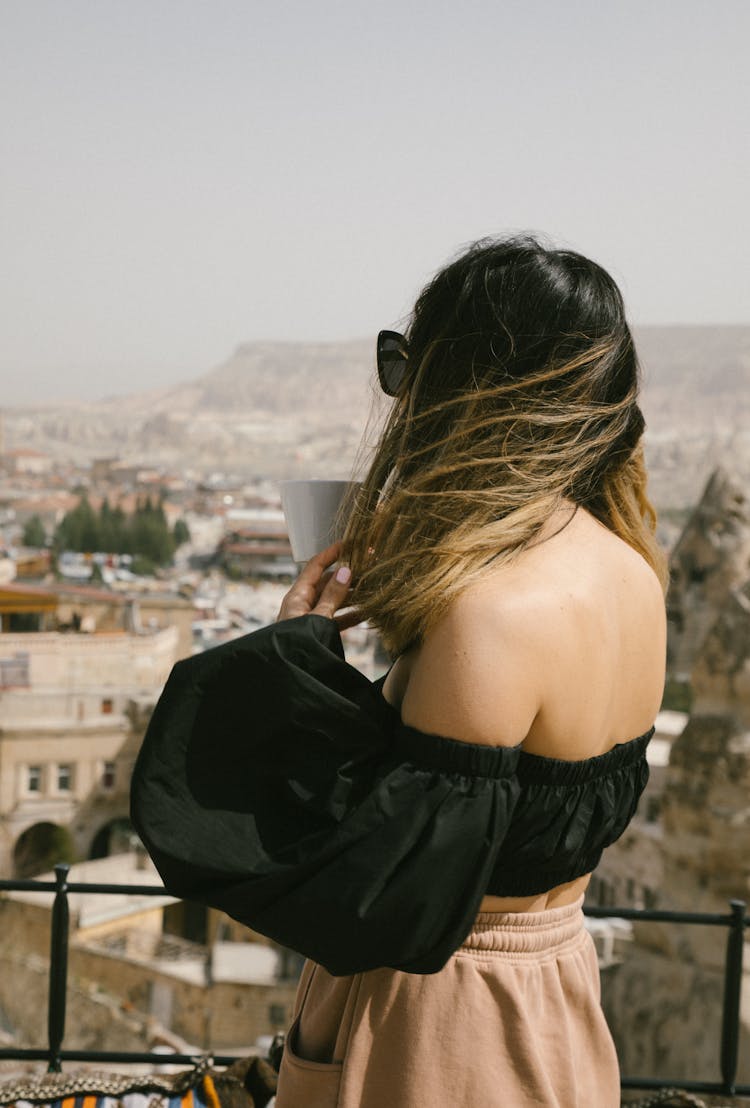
[(310, 508)]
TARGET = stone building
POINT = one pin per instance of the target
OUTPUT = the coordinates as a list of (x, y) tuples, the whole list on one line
[(258, 551), (27, 461), (73, 711), (221, 994), (108, 610)]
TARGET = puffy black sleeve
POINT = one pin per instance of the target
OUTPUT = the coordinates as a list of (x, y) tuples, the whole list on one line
[(276, 783)]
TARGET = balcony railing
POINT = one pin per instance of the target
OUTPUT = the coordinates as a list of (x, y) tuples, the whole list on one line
[(735, 921)]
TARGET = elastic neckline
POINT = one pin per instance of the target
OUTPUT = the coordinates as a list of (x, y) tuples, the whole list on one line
[(540, 769), (453, 755)]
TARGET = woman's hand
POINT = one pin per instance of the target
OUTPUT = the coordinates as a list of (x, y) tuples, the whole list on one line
[(318, 591)]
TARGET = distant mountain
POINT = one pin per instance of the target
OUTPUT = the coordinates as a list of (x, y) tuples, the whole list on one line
[(271, 377), (289, 408), (284, 377), (696, 400), (702, 373)]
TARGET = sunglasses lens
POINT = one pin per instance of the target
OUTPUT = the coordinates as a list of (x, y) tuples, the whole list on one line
[(391, 362)]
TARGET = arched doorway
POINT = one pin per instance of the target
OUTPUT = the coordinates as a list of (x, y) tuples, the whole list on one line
[(41, 847), (115, 837)]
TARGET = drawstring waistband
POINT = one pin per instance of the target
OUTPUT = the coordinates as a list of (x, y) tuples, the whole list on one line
[(516, 933)]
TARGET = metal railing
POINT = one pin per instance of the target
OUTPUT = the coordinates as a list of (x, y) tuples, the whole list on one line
[(735, 921)]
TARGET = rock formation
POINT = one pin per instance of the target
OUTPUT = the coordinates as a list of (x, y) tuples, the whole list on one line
[(664, 1001), (711, 557)]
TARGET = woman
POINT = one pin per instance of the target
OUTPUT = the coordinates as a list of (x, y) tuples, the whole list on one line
[(426, 841)]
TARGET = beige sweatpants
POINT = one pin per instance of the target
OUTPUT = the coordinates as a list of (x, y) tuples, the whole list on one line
[(512, 1021)]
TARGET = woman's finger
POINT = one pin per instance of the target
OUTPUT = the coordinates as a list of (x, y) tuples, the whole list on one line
[(335, 593), (304, 594), (314, 569)]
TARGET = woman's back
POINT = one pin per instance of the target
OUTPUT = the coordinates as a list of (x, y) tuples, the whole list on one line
[(562, 651)]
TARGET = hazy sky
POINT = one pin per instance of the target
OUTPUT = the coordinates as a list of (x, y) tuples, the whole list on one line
[(183, 175)]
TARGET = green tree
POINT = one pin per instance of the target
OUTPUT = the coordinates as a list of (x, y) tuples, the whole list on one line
[(180, 532), (79, 528), (145, 532), (90, 530), (34, 533), (121, 533), (107, 536), (150, 534), (142, 566)]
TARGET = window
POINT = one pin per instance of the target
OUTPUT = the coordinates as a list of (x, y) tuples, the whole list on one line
[(108, 775), (34, 779), (107, 707), (64, 778), (277, 1015), (23, 621)]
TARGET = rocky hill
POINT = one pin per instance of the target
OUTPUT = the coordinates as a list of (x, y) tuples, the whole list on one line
[(710, 559), (287, 408)]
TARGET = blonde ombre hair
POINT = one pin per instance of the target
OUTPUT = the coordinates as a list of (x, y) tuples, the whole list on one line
[(520, 392)]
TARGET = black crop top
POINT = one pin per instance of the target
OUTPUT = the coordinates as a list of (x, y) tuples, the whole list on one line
[(276, 783)]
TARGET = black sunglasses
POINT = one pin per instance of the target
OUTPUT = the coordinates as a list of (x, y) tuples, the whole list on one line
[(391, 358)]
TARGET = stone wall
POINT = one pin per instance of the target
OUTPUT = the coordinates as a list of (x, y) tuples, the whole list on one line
[(227, 1015), (95, 1020), (665, 1015), (117, 999)]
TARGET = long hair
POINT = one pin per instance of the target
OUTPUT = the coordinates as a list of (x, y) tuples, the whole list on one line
[(521, 389)]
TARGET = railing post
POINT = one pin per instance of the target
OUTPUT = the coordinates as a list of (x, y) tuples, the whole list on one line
[(730, 1024), (58, 969)]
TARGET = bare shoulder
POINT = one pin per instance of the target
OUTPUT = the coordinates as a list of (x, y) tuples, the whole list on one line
[(604, 644), (481, 656), (562, 650)]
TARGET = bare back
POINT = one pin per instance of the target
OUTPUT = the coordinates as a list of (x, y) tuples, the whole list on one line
[(562, 651)]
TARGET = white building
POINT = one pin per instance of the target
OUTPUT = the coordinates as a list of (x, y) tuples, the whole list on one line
[(73, 709)]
